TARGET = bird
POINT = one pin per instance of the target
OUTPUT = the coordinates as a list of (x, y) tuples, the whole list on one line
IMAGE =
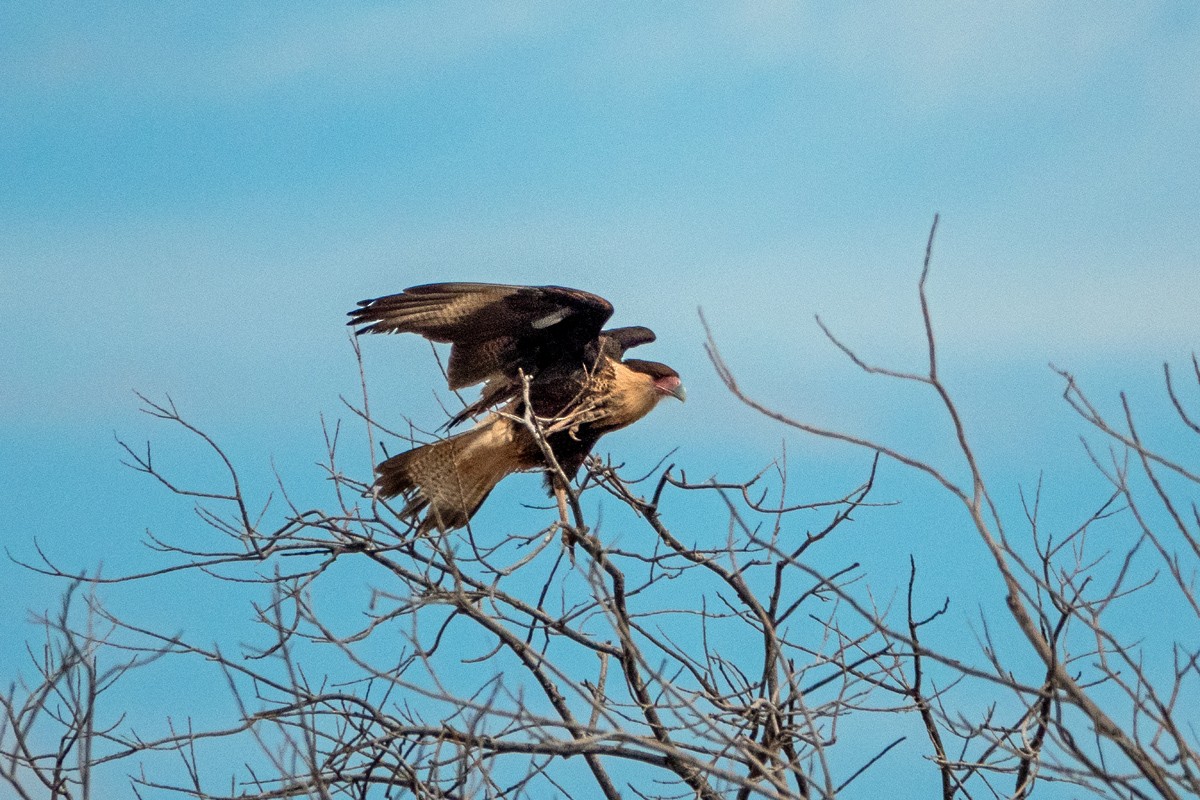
[(544, 344)]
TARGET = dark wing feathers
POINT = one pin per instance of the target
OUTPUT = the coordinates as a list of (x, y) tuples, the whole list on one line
[(443, 312), (494, 329), (472, 362), (497, 331), (452, 312)]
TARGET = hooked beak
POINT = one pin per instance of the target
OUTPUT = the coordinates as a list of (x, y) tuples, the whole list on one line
[(671, 386)]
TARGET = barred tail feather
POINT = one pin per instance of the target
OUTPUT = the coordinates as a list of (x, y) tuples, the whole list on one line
[(450, 479)]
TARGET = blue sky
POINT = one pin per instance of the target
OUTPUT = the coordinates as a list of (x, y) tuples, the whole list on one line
[(190, 200)]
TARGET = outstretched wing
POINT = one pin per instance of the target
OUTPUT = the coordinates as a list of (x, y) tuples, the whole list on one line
[(495, 330)]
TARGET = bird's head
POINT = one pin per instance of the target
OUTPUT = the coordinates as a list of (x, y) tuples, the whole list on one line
[(666, 380)]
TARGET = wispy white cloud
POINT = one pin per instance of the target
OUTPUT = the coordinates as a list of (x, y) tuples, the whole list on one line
[(937, 54), (165, 52), (374, 45), (925, 54), (926, 57)]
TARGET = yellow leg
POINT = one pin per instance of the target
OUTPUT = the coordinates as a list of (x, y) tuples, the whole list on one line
[(560, 494), (568, 530)]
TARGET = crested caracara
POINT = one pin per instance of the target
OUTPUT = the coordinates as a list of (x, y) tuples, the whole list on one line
[(580, 387)]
